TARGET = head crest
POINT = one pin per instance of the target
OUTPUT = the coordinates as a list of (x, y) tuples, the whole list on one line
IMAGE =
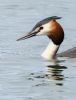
[(46, 20), (56, 17)]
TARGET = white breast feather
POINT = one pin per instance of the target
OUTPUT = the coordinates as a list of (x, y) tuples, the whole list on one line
[(50, 51)]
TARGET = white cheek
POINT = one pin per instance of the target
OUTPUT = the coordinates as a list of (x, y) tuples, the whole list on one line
[(45, 30), (42, 32)]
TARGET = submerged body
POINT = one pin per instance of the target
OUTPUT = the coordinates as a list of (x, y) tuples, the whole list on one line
[(71, 53)]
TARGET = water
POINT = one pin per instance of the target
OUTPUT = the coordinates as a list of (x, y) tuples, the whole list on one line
[(24, 75)]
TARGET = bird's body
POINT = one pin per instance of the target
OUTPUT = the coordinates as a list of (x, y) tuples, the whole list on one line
[(70, 53), (53, 30)]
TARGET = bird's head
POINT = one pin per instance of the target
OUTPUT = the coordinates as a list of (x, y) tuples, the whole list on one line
[(49, 27)]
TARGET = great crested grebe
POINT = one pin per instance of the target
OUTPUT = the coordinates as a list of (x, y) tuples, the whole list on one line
[(53, 30)]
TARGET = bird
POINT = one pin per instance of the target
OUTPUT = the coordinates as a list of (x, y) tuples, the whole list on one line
[(53, 30)]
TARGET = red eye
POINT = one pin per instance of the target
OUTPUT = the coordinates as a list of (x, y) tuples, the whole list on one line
[(41, 28)]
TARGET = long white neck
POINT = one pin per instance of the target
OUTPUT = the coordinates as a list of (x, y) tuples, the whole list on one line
[(50, 51)]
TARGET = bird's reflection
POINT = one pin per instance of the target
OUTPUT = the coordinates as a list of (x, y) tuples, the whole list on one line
[(54, 72)]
